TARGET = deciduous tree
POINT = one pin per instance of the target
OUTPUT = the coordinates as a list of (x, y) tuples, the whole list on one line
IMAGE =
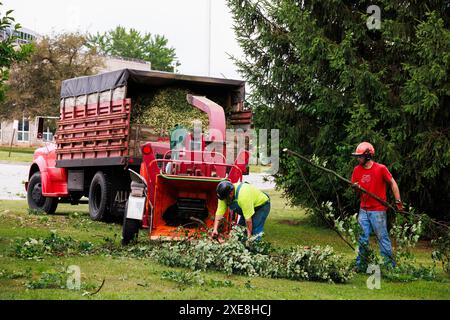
[(35, 84), (132, 44), (9, 52)]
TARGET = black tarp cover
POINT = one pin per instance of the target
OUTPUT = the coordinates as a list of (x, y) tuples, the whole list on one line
[(126, 77)]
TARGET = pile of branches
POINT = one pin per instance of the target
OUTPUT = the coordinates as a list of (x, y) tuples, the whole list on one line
[(237, 255), (255, 258)]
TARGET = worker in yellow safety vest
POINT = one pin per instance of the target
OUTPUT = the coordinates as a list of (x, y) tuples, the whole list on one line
[(251, 204)]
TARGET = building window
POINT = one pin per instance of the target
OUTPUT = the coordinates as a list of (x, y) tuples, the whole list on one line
[(23, 134), (48, 135)]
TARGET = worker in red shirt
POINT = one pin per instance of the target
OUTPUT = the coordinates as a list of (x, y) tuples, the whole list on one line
[(373, 177)]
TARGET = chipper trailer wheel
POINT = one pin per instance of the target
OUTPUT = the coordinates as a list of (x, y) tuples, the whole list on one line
[(130, 228), (132, 221), (35, 198)]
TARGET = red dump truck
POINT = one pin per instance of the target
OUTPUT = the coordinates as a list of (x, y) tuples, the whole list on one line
[(102, 154)]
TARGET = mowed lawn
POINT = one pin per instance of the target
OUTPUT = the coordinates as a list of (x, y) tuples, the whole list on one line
[(128, 278), (16, 154)]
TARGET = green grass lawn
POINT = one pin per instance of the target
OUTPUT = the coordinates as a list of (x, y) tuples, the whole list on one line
[(128, 278), (18, 154), (259, 168), (19, 149)]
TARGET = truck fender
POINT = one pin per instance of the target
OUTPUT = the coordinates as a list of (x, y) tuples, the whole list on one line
[(39, 165), (54, 180)]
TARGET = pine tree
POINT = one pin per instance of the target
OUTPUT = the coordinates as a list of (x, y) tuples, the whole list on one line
[(328, 81)]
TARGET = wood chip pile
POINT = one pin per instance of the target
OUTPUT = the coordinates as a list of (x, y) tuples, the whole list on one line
[(166, 108)]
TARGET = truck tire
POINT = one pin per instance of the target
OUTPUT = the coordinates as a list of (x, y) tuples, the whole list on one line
[(35, 198), (99, 197), (130, 228)]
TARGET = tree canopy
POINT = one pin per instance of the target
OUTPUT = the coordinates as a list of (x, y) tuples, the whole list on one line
[(328, 82), (132, 44), (35, 84), (9, 52)]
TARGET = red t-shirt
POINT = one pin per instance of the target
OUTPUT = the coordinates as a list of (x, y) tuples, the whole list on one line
[(373, 180)]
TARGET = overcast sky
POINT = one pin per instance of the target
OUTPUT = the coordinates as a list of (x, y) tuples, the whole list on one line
[(183, 22)]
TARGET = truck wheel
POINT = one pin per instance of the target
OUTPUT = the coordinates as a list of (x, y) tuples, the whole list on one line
[(99, 194), (35, 198), (130, 228)]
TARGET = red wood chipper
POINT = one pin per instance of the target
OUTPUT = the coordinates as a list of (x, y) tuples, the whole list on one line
[(179, 189)]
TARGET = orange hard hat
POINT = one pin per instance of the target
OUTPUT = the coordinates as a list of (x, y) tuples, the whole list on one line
[(364, 147)]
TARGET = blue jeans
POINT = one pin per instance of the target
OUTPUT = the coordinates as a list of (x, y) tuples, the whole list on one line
[(258, 220), (374, 221)]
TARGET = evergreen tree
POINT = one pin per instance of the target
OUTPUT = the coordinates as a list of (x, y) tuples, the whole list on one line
[(328, 81)]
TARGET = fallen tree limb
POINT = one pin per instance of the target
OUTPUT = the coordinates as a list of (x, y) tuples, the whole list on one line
[(385, 203)]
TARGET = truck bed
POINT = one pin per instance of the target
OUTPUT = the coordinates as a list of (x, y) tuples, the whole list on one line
[(95, 126)]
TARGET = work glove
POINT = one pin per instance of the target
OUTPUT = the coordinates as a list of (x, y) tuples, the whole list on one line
[(399, 205), (356, 188)]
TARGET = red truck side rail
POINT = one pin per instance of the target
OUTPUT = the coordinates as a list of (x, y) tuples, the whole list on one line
[(99, 130)]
